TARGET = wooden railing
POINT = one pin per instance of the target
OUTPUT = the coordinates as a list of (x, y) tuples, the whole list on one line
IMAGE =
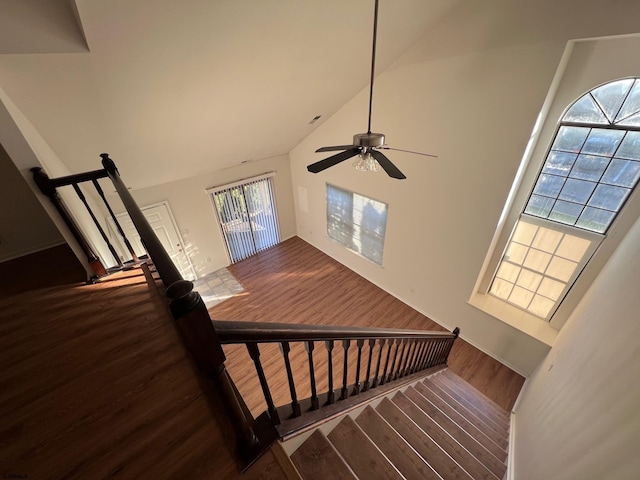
[(393, 357)]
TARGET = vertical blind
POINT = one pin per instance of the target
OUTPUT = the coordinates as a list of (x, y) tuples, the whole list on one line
[(247, 215), (357, 222)]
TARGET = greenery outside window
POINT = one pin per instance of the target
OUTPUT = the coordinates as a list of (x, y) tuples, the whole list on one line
[(357, 222)]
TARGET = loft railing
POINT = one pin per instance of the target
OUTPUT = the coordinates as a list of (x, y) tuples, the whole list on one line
[(392, 357)]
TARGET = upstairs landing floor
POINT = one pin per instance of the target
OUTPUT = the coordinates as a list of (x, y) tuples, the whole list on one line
[(95, 383)]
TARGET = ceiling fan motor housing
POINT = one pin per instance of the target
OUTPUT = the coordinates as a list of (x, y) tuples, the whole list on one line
[(368, 139)]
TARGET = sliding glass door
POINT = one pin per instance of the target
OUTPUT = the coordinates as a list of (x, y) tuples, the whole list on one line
[(247, 214)]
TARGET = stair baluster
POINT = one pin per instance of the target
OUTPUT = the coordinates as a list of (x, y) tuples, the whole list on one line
[(295, 406), (312, 376)]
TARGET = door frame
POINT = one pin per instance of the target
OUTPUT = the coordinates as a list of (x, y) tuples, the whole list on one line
[(211, 191), (122, 247)]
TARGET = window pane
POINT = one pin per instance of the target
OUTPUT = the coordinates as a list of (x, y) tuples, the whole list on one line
[(516, 253), (632, 103), (520, 297), (541, 306), (577, 191), (565, 212), (609, 197), (539, 206), (508, 271), (603, 142), (585, 110), (529, 280), (561, 269), (624, 173), (630, 147), (559, 163), (570, 139), (632, 121), (551, 288), (501, 288), (548, 185), (524, 233), (573, 248), (537, 260), (589, 167), (595, 219), (547, 240), (611, 96)]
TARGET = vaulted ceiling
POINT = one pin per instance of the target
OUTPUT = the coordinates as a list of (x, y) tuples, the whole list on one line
[(175, 89)]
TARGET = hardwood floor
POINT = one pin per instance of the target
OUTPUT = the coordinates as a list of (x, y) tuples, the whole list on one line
[(296, 283), (95, 383)]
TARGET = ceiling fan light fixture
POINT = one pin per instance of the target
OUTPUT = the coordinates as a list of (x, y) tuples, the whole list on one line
[(365, 162), (366, 146)]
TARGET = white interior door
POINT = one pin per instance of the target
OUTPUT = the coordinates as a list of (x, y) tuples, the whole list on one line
[(161, 220)]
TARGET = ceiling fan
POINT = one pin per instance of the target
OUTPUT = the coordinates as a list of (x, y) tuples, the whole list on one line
[(366, 145)]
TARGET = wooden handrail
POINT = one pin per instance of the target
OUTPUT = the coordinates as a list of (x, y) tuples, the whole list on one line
[(79, 178), (259, 332), (161, 259), (407, 353)]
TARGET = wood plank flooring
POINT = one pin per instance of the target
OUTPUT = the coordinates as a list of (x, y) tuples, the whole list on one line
[(296, 283), (95, 383)]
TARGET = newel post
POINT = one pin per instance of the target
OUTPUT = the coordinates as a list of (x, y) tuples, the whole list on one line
[(456, 334), (201, 339)]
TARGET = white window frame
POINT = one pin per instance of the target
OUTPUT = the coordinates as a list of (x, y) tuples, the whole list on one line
[(349, 247), (539, 145)]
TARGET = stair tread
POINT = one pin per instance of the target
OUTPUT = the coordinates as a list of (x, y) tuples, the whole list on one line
[(428, 449), (477, 398), (316, 459), (467, 461), (499, 436), (492, 441), (463, 405), (396, 449), (360, 453), (476, 449)]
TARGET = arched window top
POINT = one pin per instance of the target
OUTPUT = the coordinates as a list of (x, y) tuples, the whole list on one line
[(594, 161), (616, 104)]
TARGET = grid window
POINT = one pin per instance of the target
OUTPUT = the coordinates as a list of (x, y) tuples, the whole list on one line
[(538, 267), (357, 222), (594, 161), (590, 171)]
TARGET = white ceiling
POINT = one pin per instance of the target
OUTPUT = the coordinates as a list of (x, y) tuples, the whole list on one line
[(175, 89)]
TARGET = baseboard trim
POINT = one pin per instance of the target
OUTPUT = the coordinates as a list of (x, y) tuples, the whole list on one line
[(512, 447), (426, 314)]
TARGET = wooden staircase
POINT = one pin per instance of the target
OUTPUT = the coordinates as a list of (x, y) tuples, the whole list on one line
[(438, 428)]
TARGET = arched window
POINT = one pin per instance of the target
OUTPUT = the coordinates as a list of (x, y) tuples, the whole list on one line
[(589, 172)]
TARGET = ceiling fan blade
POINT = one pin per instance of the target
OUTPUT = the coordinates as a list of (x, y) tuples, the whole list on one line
[(384, 147), (333, 160), (335, 148), (386, 164)]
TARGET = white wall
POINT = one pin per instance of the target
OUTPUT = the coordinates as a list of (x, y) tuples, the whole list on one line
[(194, 213), (469, 91), (28, 149), (578, 417), (24, 225)]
